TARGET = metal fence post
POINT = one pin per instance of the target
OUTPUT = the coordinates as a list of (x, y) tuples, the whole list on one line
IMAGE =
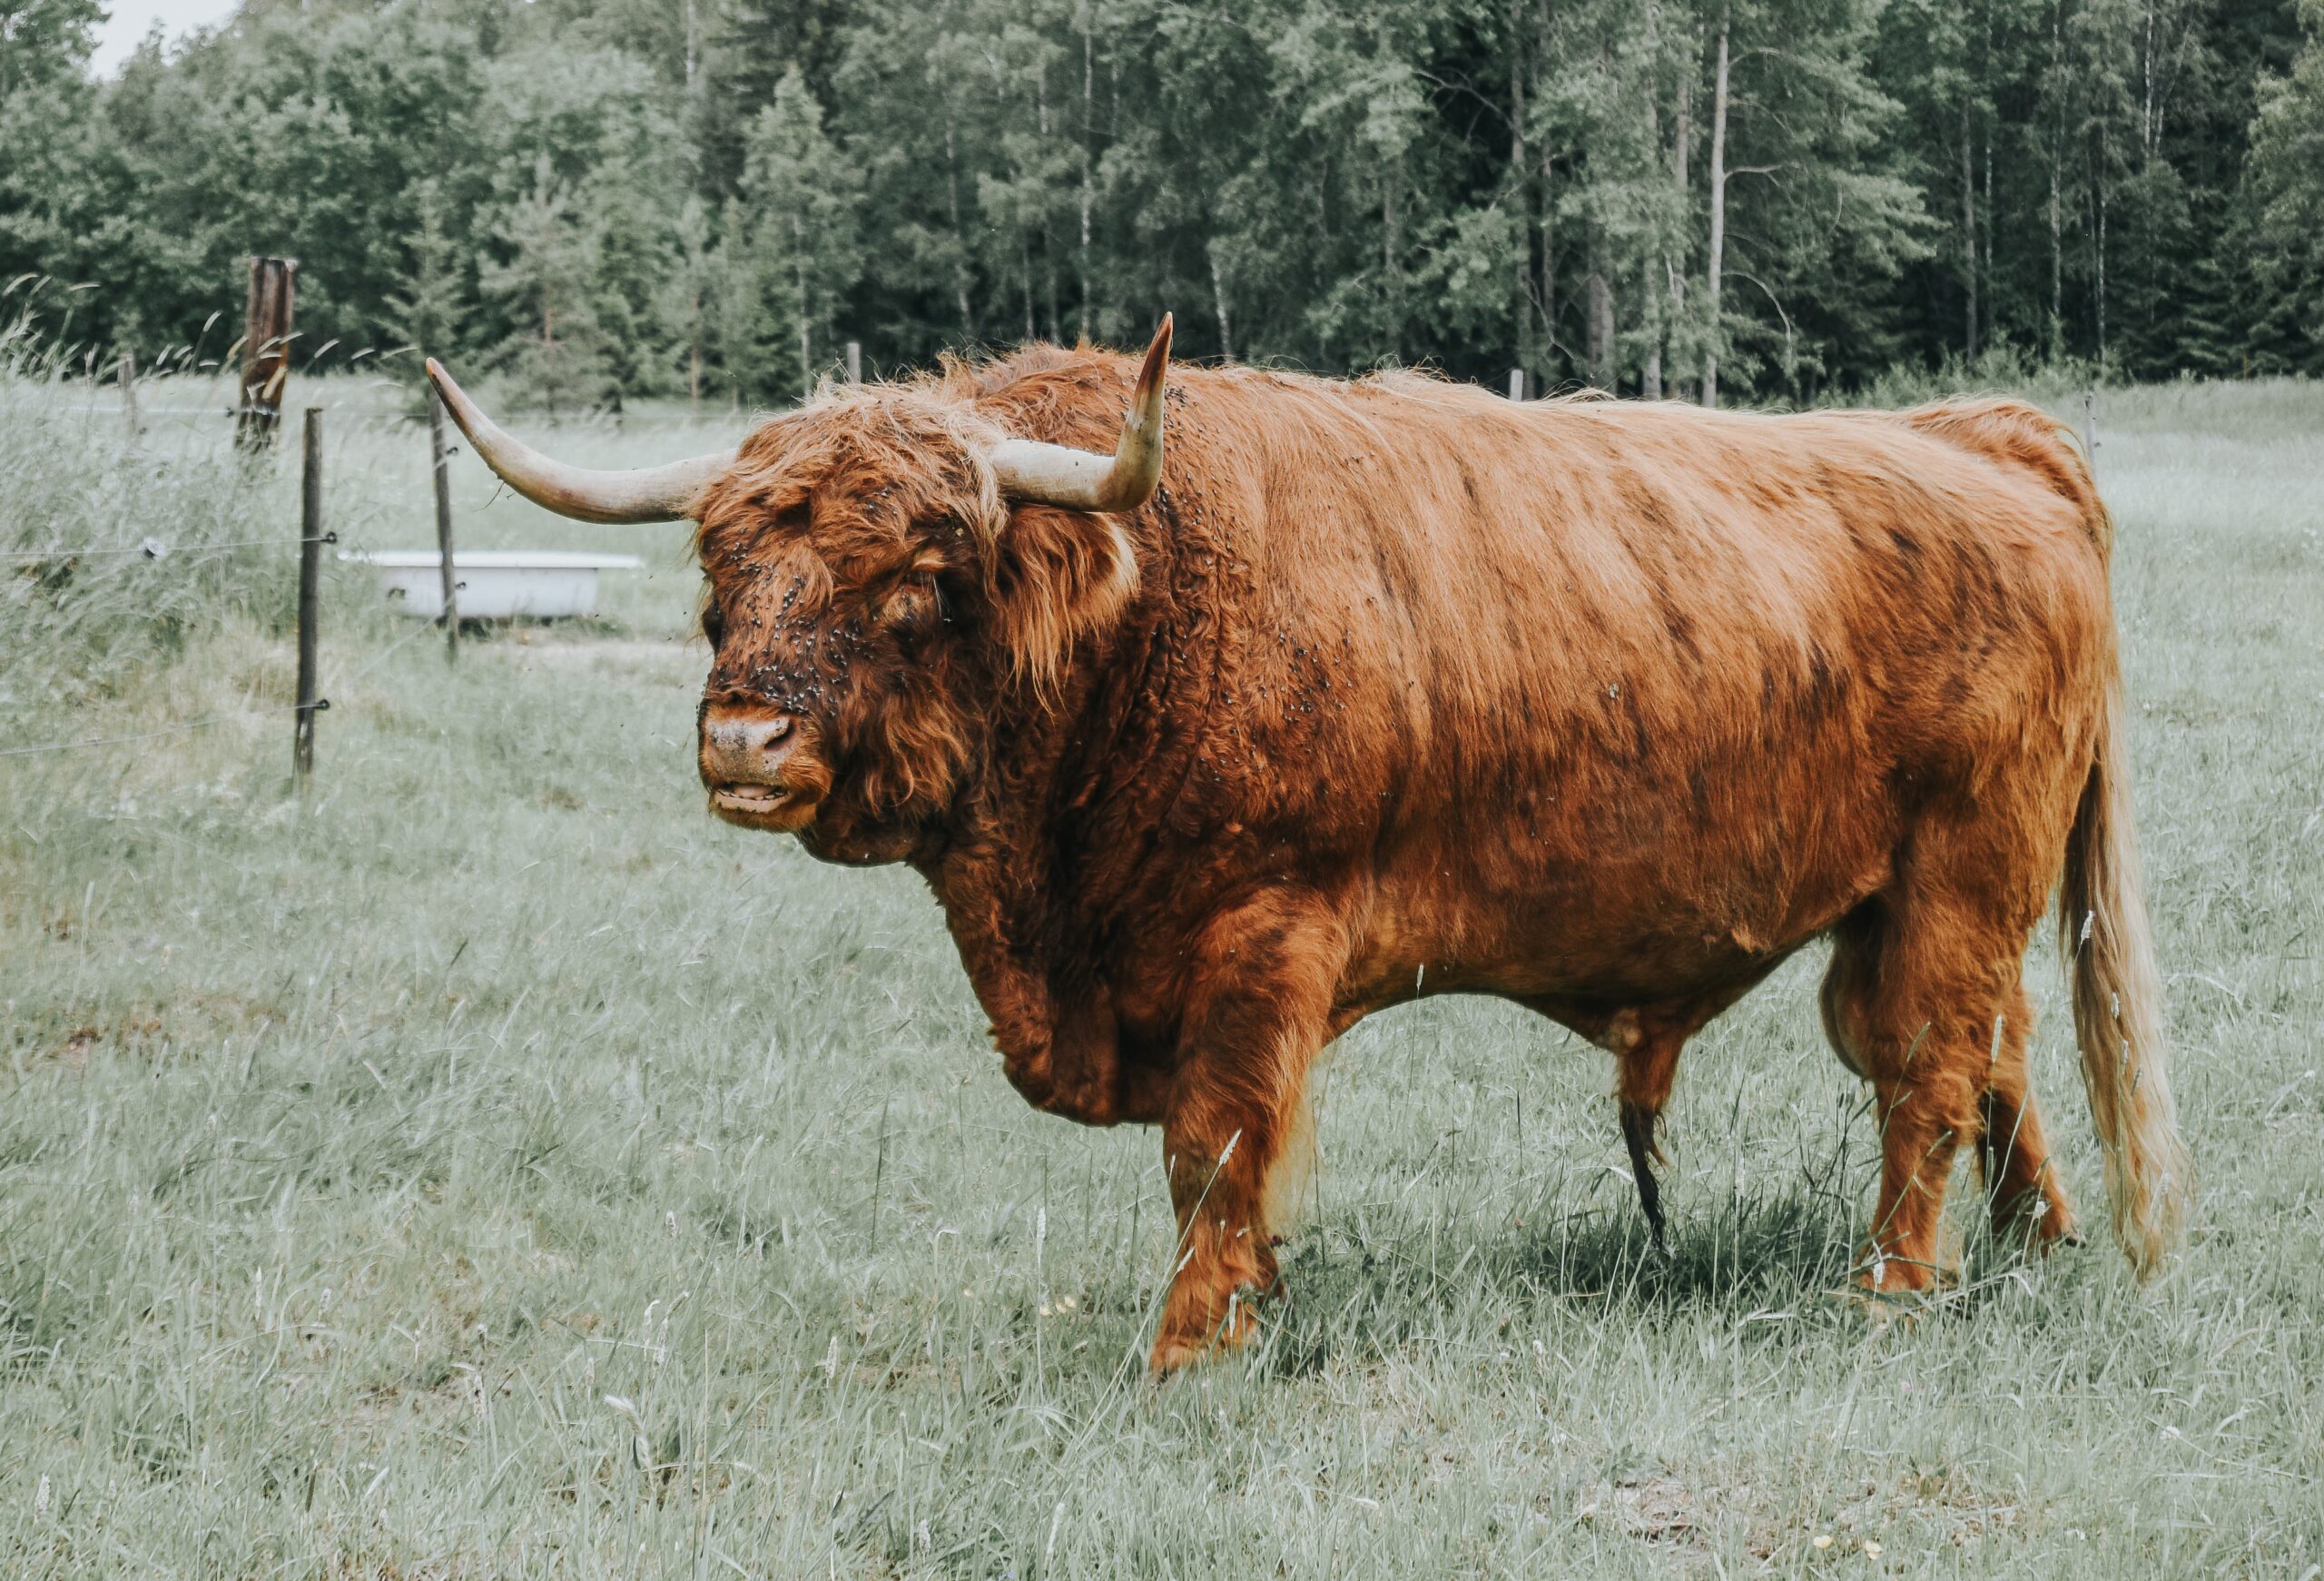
[(441, 470), (310, 563)]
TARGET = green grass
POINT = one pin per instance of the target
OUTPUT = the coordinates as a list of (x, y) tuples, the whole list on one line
[(495, 1166)]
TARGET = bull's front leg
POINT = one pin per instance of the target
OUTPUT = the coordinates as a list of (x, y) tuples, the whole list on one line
[(1236, 1120)]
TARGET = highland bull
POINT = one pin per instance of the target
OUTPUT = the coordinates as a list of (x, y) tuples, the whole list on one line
[(1372, 690)]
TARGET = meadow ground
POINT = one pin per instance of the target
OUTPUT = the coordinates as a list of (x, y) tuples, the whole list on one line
[(496, 1166)]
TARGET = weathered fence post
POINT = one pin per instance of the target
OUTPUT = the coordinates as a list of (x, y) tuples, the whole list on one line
[(129, 391), (440, 457), (266, 350), (1517, 384), (855, 361), (310, 567), (2090, 428)]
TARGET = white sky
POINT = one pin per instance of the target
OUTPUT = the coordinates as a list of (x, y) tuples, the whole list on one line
[(119, 34)]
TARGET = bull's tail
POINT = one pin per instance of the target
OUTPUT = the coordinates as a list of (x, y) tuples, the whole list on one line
[(2118, 1009), (2102, 920)]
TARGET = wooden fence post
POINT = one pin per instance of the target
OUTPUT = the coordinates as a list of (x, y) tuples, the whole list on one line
[(2090, 429), (855, 361), (266, 350), (129, 391), (1517, 384), (310, 566), (441, 469)]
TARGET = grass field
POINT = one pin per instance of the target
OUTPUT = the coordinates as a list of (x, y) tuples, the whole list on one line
[(497, 1167)]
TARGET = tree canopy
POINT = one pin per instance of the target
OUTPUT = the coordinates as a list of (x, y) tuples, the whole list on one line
[(1755, 199)]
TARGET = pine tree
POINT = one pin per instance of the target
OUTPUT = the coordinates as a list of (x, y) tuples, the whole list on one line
[(690, 307), (799, 199), (2286, 203), (631, 266), (556, 361), (425, 313)]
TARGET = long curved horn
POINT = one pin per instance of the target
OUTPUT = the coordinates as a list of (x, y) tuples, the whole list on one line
[(1059, 475), (644, 494)]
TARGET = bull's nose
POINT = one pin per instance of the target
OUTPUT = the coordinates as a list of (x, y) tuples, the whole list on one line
[(745, 747)]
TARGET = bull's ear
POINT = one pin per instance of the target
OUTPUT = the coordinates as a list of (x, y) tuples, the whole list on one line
[(1063, 577)]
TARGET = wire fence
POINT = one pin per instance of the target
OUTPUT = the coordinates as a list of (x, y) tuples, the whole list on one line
[(155, 550), (203, 552), (181, 728), (186, 726)]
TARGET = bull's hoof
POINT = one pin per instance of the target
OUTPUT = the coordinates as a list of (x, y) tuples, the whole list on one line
[(1172, 1355), (2037, 1226), (1879, 1308), (1174, 1352)]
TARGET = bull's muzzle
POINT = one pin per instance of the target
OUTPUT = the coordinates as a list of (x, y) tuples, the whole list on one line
[(760, 768)]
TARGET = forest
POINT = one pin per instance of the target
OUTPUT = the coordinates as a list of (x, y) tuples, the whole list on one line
[(1770, 201)]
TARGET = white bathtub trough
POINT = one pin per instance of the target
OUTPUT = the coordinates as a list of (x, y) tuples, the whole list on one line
[(494, 584)]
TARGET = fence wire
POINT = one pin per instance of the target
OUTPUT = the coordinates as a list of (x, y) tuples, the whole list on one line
[(155, 550), (179, 729), (320, 705)]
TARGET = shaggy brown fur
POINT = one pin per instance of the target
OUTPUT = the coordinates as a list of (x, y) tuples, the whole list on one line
[(1395, 686)]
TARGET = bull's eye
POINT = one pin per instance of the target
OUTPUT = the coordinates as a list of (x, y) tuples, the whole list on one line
[(714, 624), (910, 611)]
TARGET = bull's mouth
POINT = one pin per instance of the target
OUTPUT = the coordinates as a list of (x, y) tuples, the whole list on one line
[(763, 806)]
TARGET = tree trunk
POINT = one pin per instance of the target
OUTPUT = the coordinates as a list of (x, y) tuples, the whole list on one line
[(2057, 267), (1682, 138), (1649, 374), (2099, 184), (694, 348), (1968, 235), (1392, 282), (799, 289), (1218, 297), (960, 236), (1391, 263), (1049, 253), (1089, 131), (1549, 293), (1717, 260), (1990, 227), (1519, 180), (806, 344), (1025, 252), (1601, 314)]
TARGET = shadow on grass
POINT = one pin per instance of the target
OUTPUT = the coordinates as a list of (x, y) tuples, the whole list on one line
[(1779, 1254), (1758, 1254)]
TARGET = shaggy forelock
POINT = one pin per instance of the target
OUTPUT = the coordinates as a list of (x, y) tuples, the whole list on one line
[(868, 466)]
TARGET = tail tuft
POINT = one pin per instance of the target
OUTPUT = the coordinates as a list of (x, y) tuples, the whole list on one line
[(2118, 1012)]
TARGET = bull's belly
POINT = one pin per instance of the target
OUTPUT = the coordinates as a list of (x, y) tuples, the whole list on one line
[(1609, 933)]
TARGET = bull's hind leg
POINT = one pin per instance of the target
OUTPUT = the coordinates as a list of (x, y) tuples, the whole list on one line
[(1919, 976), (2026, 1198), (1236, 1118)]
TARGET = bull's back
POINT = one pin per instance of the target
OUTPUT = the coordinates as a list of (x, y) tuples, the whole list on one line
[(1620, 685)]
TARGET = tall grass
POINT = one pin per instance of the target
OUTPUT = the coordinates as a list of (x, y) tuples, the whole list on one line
[(117, 549)]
